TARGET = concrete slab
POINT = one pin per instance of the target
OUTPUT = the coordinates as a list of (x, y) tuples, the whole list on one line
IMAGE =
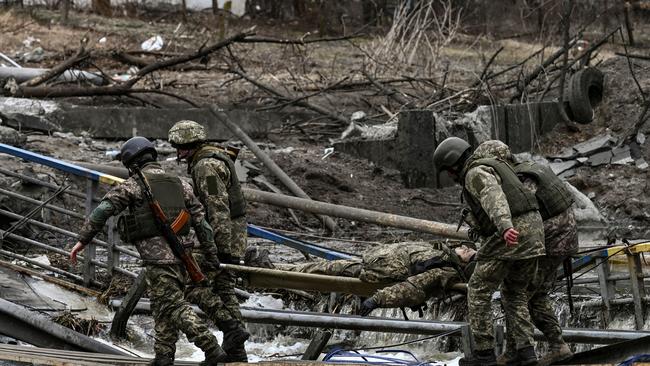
[(641, 163), (567, 174), (601, 158), (565, 154), (595, 145), (123, 123), (622, 155), (559, 167)]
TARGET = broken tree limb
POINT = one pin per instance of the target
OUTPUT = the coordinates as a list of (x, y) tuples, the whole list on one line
[(268, 162), (202, 52), (302, 40), (299, 102), (59, 69), (566, 23), (357, 214), (390, 92), (329, 87)]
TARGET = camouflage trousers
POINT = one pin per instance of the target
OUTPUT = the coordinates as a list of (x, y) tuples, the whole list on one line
[(540, 306), (211, 299), (417, 289), (223, 284), (488, 276), (341, 267), (171, 312)]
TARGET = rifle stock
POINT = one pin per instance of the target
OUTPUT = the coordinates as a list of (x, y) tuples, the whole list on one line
[(168, 233)]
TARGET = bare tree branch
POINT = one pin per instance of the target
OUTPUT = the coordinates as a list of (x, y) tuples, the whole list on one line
[(59, 69)]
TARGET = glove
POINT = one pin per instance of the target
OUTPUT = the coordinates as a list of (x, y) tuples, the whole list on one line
[(473, 234), (368, 306), (511, 236)]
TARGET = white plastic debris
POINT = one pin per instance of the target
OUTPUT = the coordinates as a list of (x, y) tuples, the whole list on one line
[(154, 43), (42, 259), (640, 138), (358, 116), (328, 151), (102, 40), (29, 41)]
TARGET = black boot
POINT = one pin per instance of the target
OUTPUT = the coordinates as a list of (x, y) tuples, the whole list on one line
[(214, 357), (162, 360), (234, 337), (479, 358), (527, 356)]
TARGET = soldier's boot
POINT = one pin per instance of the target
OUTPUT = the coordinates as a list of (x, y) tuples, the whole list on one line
[(479, 358), (556, 352), (214, 357), (162, 360), (506, 357), (234, 338), (525, 357)]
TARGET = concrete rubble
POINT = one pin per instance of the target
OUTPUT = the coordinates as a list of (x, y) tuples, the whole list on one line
[(598, 151)]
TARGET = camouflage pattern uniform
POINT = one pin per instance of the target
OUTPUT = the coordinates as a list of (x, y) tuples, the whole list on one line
[(418, 270), (165, 275), (229, 235), (498, 264), (561, 240)]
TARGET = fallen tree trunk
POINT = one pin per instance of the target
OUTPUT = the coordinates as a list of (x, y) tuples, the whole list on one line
[(269, 163), (358, 214)]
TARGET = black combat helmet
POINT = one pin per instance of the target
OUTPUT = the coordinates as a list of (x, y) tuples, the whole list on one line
[(135, 148)]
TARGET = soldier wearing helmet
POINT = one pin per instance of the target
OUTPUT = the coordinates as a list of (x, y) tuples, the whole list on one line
[(506, 218), (215, 182), (165, 275), (561, 241)]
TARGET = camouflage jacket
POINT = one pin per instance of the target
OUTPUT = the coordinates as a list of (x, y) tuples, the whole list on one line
[(227, 232), (484, 184), (396, 262), (560, 232), (153, 250)]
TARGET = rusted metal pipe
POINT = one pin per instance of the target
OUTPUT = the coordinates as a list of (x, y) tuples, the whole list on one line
[(69, 233), (44, 184), (358, 214), (268, 162), (76, 215)]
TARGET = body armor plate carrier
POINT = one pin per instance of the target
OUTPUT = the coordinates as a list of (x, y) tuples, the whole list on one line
[(520, 199), (139, 223), (552, 195)]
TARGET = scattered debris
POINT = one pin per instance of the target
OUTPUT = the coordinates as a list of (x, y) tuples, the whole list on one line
[(88, 327), (12, 137), (154, 43)]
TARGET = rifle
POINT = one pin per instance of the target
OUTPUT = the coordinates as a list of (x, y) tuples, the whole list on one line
[(169, 234)]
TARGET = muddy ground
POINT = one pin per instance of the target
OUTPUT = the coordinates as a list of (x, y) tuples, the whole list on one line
[(618, 191)]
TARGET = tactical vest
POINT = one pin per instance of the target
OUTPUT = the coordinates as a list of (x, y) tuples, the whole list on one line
[(139, 223), (520, 200), (236, 201), (552, 195)]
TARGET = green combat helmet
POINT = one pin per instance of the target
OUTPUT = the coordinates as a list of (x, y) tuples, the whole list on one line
[(449, 152), (186, 132)]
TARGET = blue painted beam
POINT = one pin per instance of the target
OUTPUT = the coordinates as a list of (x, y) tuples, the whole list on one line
[(59, 164), (303, 246)]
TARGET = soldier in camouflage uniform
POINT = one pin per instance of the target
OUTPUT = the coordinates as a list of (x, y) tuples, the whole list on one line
[(165, 274), (505, 216), (416, 270), (215, 183), (561, 241)]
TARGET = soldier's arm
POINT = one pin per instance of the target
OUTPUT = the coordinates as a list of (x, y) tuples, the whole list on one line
[(203, 230), (483, 184), (210, 176), (114, 202)]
